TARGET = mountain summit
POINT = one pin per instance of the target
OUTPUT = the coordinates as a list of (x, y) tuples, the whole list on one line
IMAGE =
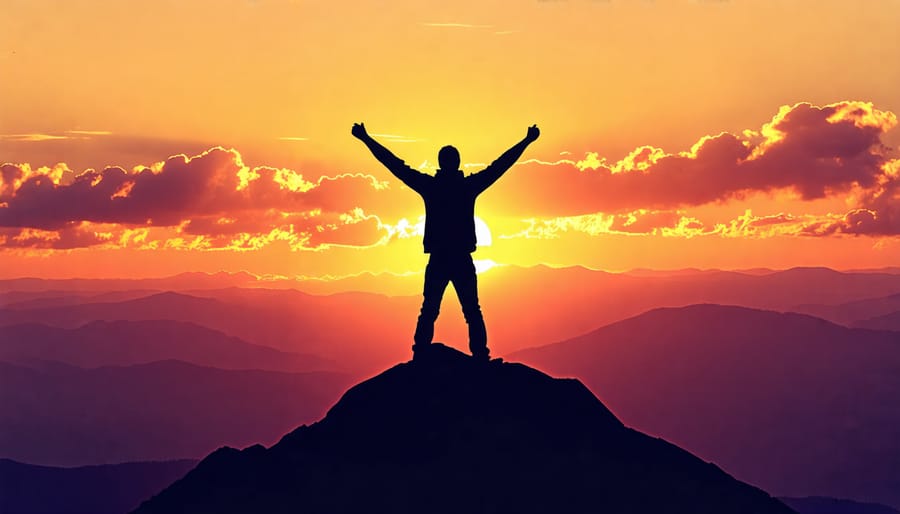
[(451, 434)]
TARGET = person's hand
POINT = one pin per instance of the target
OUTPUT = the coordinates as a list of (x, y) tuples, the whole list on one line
[(533, 133), (359, 131)]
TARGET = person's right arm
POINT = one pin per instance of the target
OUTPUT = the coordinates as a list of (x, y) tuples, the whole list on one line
[(412, 178)]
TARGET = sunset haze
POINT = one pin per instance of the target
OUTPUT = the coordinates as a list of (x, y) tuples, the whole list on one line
[(708, 134)]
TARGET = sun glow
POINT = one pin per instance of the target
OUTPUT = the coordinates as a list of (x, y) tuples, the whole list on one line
[(482, 265), (482, 233), (260, 171)]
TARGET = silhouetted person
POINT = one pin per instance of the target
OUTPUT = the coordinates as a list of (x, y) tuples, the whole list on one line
[(449, 231)]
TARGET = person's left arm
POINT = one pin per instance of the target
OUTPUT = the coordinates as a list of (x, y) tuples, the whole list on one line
[(483, 179)]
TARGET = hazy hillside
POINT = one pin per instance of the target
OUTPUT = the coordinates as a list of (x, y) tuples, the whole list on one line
[(106, 489), (854, 313), (287, 320), (523, 307), (189, 280), (794, 404), (885, 322), (52, 298), (824, 505), (56, 414), (122, 343)]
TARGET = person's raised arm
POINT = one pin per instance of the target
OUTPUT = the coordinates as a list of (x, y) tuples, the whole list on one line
[(483, 179), (394, 164)]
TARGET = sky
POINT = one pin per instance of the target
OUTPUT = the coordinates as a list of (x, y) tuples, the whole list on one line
[(148, 138)]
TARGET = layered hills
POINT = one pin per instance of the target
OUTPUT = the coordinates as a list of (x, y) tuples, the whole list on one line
[(794, 404)]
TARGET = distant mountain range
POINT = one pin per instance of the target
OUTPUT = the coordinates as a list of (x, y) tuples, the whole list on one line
[(857, 313), (728, 384), (120, 488), (824, 505), (123, 343), (791, 403), (20, 300), (885, 322), (287, 320), (108, 489), (188, 280), (523, 307), (449, 434), (56, 414)]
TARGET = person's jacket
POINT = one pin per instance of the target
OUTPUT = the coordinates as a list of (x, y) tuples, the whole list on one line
[(449, 199)]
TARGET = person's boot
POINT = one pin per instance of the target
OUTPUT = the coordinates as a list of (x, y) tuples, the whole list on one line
[(481, 354), (478, 340), (422, 337)]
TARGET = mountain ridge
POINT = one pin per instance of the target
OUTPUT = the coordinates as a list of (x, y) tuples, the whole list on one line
[(162, 409), (125, 342), (448, 434), (98, 489), (792, 403)]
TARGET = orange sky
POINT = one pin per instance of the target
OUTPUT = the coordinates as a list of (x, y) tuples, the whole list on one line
[(728, 134)]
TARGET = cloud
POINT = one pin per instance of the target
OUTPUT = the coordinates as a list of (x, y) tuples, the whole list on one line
[(458, 25), (90, 132), (350, 229), (645, 222), (74, 236), (877, 211), (640, 222), (471, 26), (812, 151), (680, 224), (396, 138), (32, 137), (211, 200), (214, 201), (12, 177), (214, 183), (40, 137)]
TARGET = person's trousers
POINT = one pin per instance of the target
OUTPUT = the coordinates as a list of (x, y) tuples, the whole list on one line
[(441, 270)]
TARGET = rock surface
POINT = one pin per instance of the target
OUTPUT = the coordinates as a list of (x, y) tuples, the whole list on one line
[(450, 434)]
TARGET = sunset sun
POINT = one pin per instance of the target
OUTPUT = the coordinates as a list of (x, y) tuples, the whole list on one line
[(482, 232)]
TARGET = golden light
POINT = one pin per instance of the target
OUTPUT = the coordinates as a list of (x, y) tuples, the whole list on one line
[(482, 265), (482, 233)]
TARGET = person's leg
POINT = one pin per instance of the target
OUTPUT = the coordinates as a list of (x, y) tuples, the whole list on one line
[(436, 279), (465, 282)]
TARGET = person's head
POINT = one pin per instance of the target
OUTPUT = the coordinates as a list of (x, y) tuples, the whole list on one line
[(448, 158)]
